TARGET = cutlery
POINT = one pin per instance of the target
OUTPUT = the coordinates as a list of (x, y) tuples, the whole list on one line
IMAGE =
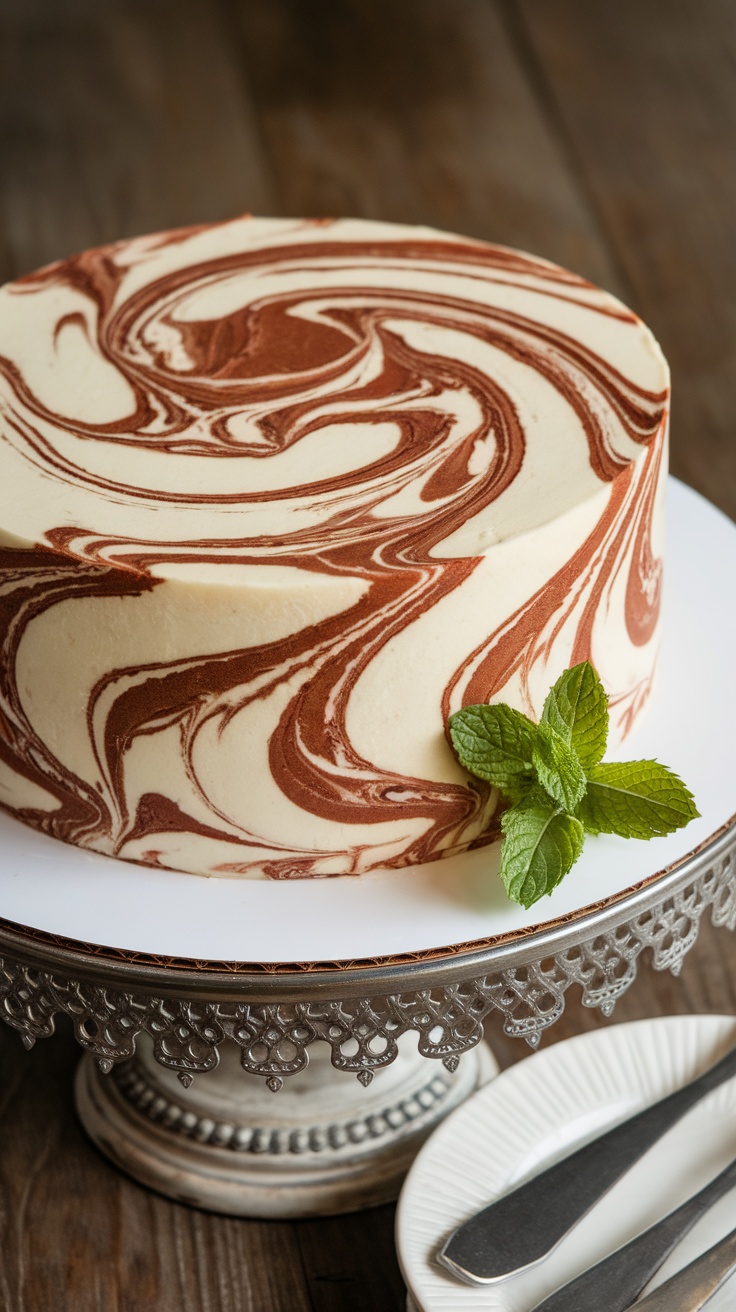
[(521, 1228), (692, 1287), (616, 1281)]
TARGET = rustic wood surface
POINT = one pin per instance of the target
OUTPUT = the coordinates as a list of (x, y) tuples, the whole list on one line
[(601, 135)]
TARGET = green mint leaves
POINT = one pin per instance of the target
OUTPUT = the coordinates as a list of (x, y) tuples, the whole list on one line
[(577, 708), (635, 799), (558, 768), (496, 743), (560, 787), (540, 844)]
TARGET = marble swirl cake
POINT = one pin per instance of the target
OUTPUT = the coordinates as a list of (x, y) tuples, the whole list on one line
[(275, 498)]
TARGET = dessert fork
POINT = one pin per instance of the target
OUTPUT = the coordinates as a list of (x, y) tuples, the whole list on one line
[(617, 1280), (522, 1227), (694, 1286)]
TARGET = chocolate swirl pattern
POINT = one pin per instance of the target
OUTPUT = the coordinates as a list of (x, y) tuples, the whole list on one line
[(280, 496)]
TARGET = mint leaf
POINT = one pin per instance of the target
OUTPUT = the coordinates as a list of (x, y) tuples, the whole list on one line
[(558, 768), (540, 844), (496, 743), (577, 708), (560, 788), (635, 799)]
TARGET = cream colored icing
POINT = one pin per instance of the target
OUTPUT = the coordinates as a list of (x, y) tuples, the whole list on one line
[(279, 496)]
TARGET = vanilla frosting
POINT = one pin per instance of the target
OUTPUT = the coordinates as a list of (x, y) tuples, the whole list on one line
[(276, 497)]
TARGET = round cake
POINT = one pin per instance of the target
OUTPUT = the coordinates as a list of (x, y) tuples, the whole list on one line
[(276, 498)]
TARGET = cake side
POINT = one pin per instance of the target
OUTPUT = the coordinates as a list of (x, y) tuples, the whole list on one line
[(278, 498)]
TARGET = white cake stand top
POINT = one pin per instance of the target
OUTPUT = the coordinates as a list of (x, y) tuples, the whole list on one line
[(452, 906)]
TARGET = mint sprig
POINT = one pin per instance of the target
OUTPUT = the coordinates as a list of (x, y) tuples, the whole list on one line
[(558, 784)]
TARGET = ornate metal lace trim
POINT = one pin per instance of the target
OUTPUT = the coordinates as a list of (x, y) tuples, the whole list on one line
[(363, 1033)]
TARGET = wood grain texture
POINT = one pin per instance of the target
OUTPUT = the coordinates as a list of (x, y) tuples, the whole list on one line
[(75, 1234), (349, 1262), (601, 135), (418, 112), (646, 96), (119, 117)]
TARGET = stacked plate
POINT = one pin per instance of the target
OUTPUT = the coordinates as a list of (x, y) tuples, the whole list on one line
[(541, 1110)]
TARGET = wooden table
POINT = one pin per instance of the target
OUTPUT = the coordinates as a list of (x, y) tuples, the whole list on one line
[(600, 134)]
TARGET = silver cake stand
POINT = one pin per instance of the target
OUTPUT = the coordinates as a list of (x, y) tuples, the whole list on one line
[(273, 1124), (327, 1143)]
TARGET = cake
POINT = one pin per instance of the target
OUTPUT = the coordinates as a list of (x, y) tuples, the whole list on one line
[(276, 498)]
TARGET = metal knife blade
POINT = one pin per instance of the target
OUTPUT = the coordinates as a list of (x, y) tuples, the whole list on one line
[(617, 1280), (520, 1229)]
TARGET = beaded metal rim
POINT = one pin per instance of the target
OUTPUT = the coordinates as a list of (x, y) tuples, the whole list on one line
[(361, 1012)]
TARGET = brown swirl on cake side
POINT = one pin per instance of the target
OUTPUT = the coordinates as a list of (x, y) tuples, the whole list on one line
[(334, 353)]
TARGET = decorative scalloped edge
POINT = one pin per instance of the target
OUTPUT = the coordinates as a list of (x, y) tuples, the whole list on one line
[(274, 1038)]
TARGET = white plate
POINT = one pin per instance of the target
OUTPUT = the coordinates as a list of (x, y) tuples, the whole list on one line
[(541, 1109), (690, 725)]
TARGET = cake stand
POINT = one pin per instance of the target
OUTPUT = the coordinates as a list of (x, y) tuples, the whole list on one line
[(261, 988)]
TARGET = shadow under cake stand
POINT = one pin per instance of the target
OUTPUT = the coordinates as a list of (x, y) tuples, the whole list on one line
[(225, 1022)]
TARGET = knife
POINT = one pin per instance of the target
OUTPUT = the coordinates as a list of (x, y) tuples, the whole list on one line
[(692, 1287), (617, 1280), (521, 1228)]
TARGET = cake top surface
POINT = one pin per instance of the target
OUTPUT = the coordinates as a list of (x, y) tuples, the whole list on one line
[(263, 390)]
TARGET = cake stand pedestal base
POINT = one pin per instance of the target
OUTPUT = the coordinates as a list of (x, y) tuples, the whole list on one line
[(323, 1144)]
